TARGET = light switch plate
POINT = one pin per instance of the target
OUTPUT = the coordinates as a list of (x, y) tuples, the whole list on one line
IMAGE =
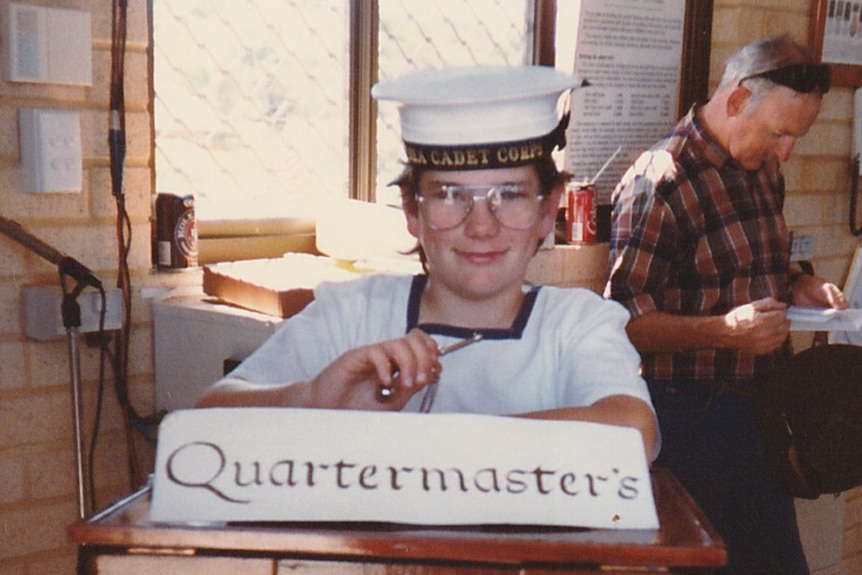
[(802, 247), (50, 150)]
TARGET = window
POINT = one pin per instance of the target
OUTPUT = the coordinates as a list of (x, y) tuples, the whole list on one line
[(250, 103), (262, 107)]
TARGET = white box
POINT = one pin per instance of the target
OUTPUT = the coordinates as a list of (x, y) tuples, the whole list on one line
[(194, 337)]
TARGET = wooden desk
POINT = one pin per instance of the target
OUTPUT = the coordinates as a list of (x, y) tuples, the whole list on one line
[(121, 540)]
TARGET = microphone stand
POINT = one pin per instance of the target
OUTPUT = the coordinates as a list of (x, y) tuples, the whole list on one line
[(71, 314)]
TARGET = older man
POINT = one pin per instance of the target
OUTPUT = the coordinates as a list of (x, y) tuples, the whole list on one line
[(700, 255)]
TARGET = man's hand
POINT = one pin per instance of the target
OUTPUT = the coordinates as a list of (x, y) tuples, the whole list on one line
[(817, 292), (759, 327)]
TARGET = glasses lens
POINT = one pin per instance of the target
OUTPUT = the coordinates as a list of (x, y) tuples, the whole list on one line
[(514, 206), (448, 206)]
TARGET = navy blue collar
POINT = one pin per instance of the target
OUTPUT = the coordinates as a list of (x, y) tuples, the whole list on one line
[(514, 331)]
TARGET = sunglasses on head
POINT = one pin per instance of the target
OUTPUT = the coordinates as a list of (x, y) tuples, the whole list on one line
[(802, 78)]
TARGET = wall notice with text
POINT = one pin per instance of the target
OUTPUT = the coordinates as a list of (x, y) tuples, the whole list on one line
[(631, 53)]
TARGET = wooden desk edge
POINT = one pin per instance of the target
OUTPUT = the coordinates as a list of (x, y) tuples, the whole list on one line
[(126, 525)]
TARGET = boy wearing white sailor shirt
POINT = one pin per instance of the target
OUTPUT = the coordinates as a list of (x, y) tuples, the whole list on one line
[(480, 192)]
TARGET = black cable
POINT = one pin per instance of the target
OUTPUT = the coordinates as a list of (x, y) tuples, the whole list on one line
[(117, 148), (117, 131)]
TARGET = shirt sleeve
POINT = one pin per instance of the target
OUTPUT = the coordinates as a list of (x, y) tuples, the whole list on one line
[(602, 360), (307, 342), (644, 243), (297, 351)]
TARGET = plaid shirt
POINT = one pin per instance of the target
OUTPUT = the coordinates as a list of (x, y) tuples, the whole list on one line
[(695, 234)]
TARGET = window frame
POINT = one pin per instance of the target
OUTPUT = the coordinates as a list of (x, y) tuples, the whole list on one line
[(220, 241), (364, 18)]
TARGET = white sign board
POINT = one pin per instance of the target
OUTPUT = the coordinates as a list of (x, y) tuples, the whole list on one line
[(280, 464)]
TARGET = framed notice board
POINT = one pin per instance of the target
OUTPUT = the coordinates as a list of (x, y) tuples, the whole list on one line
[(647, 62), (836, 38)]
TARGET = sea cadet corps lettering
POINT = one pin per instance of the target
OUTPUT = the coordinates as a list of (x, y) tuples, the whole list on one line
[(452, 158), (204, 465)]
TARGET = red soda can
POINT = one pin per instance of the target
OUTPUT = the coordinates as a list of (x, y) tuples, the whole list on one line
[(581, 214)]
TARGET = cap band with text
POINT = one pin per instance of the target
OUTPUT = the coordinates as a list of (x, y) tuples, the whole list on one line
[(486, 156)]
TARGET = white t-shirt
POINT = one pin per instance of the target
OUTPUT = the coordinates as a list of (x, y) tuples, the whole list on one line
[(566, 348)]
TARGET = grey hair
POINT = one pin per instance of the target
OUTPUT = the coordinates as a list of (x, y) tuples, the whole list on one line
[(762, 56)]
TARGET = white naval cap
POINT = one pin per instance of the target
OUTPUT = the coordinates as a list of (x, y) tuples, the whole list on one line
[(481, 116)]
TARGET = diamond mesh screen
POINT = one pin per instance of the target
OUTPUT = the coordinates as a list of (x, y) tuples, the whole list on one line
[(251, 96)]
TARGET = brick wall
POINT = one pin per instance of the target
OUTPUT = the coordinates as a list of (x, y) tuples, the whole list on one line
[(37, 470), (38, 488)]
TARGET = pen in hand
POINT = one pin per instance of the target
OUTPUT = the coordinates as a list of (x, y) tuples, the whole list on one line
[(386, 392)]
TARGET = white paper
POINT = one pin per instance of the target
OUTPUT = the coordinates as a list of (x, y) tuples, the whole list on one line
[(631, 53), (803, 318), (271, 464)]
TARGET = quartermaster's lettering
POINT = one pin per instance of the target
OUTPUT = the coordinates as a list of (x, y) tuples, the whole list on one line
[(207, 466)]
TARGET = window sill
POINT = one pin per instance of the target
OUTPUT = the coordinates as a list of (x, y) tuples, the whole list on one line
[(221, 241)]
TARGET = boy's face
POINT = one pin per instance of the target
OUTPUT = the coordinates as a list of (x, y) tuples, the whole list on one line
[(480, 256)]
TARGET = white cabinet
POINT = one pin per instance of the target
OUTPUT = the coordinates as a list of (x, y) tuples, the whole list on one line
[(194, 336)]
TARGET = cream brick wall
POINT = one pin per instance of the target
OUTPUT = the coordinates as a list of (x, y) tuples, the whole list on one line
[(37, 464), (852, 544), (37, 476)]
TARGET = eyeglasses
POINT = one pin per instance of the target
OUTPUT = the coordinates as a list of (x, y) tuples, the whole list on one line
[(448, 205), (802, 78)]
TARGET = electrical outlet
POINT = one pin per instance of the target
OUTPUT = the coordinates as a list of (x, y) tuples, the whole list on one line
[(802, 247), (43, 315)]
